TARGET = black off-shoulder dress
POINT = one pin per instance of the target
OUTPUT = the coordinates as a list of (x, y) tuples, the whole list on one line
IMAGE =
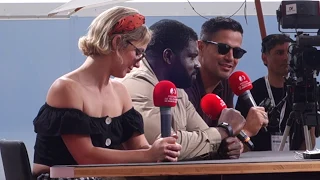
[(106, 132)]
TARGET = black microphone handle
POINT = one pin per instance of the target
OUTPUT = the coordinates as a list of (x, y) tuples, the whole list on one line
[(166, 118), (243, 137)]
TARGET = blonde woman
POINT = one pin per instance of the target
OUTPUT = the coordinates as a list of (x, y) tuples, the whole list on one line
[(87, 116)]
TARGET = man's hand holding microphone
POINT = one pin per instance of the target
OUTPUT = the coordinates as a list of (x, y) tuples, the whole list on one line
[(257, 117), (231, 122), (234, 128)]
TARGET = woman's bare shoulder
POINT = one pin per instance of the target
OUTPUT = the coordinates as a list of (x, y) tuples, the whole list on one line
[(65, 93), (123, 94), (117, 85)]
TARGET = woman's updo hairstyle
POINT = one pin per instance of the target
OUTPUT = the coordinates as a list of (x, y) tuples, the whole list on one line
[(127, 22)]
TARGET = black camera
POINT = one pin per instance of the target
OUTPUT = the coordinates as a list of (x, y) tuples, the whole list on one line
[(304, 67), (304, 62), (302, 15), (299, 14)]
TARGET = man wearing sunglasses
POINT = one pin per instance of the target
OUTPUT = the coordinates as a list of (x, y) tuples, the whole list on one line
[(219, 53), (172, 54)]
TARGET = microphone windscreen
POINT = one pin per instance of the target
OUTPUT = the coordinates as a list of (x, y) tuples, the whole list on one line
[(165, 94), (239, 82), (212, 105)]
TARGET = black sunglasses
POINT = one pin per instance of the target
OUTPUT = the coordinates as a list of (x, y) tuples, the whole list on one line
[(139, 52), (225, 48)]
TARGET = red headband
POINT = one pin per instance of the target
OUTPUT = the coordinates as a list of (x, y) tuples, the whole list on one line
[(127, 24)]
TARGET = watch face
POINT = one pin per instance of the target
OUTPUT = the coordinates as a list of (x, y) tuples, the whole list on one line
[(227, 127), (224, 123)]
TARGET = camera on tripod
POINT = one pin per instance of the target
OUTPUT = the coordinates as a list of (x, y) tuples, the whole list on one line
[(304, 65)]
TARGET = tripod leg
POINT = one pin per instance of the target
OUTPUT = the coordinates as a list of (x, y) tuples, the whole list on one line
[(284, 137), (307, 138), (287, 130)]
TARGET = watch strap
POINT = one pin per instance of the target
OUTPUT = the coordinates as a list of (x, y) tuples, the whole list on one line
[(227, 127)]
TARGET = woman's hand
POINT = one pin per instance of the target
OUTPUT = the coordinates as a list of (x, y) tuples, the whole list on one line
[(165, 149)]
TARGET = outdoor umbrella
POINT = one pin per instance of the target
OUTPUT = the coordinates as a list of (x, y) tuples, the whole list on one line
[(75, 5)]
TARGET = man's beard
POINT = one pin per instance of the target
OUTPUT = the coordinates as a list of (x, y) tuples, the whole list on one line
[(180, 80)]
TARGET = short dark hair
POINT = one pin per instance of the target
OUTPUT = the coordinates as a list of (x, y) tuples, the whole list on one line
[(272, 40), (172, 34), (216, 24)]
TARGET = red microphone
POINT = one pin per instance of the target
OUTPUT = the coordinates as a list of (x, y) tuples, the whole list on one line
[(241, 85), (165, 97), (212, 105)]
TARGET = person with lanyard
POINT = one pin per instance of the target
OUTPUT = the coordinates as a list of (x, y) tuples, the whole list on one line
[(277, 136), (275, 58)]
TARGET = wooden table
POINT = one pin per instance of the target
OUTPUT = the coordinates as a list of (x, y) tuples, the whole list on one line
[(248, 163)]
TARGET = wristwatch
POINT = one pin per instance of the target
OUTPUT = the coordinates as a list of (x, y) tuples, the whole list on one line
[(227, 127)]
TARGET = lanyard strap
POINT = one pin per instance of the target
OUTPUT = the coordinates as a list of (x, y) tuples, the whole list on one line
[(273, 103)]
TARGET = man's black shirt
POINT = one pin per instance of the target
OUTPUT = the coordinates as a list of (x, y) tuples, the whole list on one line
[(197, 91), (262, 141)]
